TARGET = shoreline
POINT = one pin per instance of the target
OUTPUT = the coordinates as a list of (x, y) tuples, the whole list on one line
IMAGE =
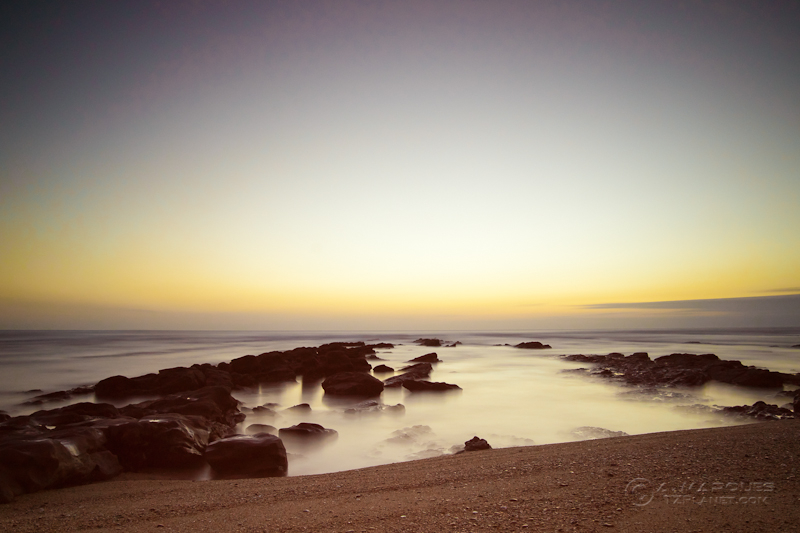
[(696, 478)]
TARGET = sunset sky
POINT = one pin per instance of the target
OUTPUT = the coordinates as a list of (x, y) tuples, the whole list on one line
[(395, 165)]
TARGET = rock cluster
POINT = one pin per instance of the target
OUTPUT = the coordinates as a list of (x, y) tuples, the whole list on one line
[(187, 420), (682, 369)]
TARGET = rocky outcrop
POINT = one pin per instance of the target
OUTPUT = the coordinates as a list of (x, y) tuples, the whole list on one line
[(760, 411), (374, 406), (427, 358), (476, 444), (429, 342), (260, 455), (410, 373), (429, 386), (306, 434), (532, 345), (592, 433), (681, 369), (382, 369), (352, 384)]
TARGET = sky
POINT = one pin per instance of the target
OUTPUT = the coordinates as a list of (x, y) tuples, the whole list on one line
[(399, 165)]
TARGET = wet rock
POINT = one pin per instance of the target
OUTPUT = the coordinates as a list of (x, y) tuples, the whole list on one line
[(352, 384), (533, 345), (681, 370), (427, 358), (382, 346), (374, 406), (54, 459), (429, 386), (299, 408), (476, 444), (73, 414), (382, 369), (306, 433), (410, 373), (247, 456), (760, 411), (253, 429), (592, 433), (213, 403), (163, 440), (429, 342)]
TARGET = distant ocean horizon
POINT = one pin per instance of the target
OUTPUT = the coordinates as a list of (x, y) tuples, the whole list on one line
[(510, 396)]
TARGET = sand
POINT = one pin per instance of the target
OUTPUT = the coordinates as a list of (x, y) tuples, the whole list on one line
[(742, 478)]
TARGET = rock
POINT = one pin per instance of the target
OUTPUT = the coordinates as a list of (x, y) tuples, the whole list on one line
[(429, 342), (681, 370), (241, 456), (167, 381), (252, 429), (382, 369), (164, 440), (429, 386), (374, 406), (352, 384), (475, 444), (592, 433), (299, 408), (427, 358), (533, 345), (54, 459), (381, 346), (760, 411), (75, 413), (410, 373), (213, 403), (306, 433)]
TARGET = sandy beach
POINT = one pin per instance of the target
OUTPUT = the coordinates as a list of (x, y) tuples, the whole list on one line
[(741, 478)]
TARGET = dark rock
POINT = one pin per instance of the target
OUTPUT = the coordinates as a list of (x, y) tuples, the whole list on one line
[(352, 384), (475, 444), (299, 408), (427, 358), (429, 342), (374, 406), (213, 403), (681, 369), (117, 387), (382, 346), (428, 386), (592, 433), (163, 440), (411, 373), (261, 428), (72, 414), (760, 411), (533, 345), (374, 357), (240, 456), (54, 459), (382, 369), (306, 433)]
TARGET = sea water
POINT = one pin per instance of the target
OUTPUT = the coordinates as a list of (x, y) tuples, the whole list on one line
[(509, 396)]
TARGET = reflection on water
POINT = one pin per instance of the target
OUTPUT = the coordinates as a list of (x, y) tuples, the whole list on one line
[(510, 397)]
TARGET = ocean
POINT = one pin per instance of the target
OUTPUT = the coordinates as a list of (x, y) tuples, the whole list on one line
[(510, 396)]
